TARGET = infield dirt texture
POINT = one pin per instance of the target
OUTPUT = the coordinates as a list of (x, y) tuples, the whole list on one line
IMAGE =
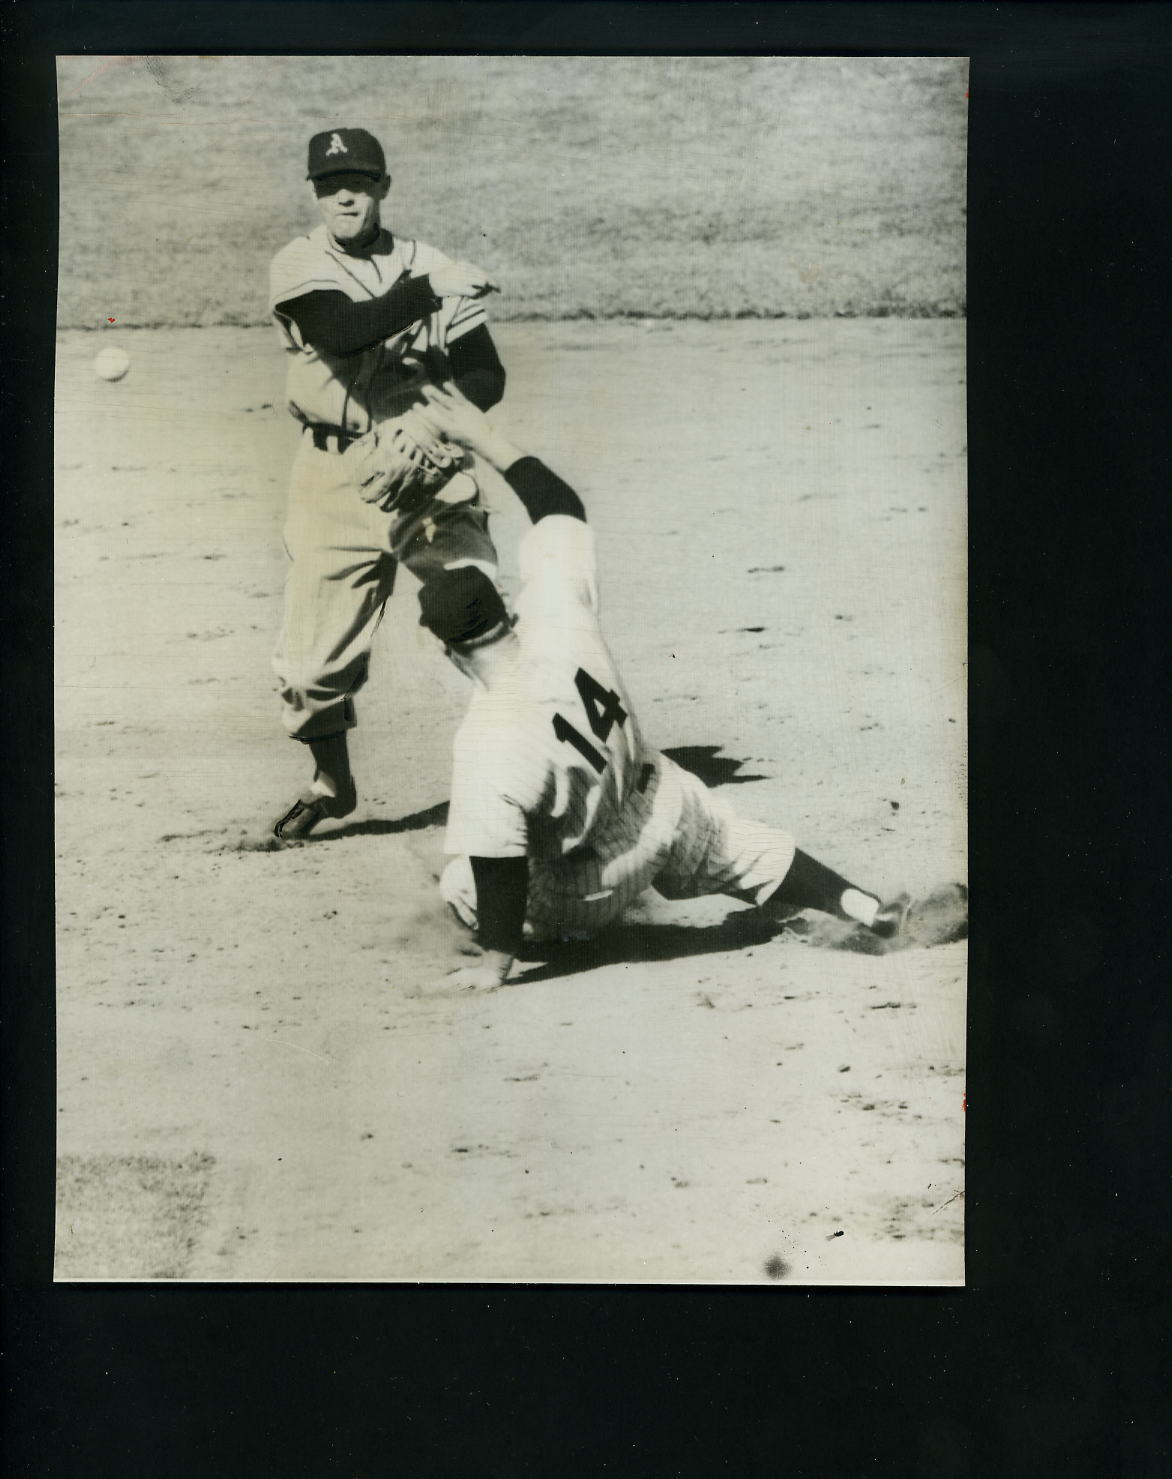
[(731, 317)]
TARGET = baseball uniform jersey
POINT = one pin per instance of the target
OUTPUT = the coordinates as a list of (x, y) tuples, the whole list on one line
[(352, 390), (344, 551)]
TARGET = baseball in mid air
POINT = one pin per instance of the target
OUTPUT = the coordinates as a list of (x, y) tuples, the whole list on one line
[(112, 363)]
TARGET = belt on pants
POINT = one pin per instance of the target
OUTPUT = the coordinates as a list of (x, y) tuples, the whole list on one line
[(331, 438)]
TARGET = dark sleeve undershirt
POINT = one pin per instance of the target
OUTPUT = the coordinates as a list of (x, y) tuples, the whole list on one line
[(502, 892), (329, 320), (477, 368), (541, 491)]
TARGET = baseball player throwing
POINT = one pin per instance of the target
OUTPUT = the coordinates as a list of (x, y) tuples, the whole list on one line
[(561, 814), (366, 318)]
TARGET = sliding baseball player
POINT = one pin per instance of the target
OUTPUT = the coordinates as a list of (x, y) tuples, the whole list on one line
[(561, 814)]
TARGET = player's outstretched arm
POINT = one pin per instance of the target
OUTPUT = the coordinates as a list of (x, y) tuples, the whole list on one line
[(502, 893), (455, 416), (541, 491), (461, 280), (329, 320)]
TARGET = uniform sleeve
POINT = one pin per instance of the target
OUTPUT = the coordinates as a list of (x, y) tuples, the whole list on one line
[(558, 565), (457, 316), (485, 818), (464, 315), (297, 269)]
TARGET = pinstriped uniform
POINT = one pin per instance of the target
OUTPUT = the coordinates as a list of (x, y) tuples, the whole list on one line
[(345, 552), (552, 766)]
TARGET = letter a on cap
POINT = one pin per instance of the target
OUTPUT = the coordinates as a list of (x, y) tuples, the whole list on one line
[(346, 150)]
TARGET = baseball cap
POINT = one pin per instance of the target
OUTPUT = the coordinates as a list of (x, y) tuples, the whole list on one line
[(343, 149), (462, 606)]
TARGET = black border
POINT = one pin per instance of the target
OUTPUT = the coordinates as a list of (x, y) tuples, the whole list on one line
[(1048, 1362)]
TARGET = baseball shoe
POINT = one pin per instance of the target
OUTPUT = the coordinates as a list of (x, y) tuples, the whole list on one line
[(891, 921), (938, 918), (303, 816)]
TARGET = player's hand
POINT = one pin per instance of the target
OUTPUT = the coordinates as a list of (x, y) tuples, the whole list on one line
[(473, 970), (454, 416), (461, 280), (472, 978)]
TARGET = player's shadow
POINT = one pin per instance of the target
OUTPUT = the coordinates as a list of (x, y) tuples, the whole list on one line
[(630, 944), (713, 768), (433, 816)]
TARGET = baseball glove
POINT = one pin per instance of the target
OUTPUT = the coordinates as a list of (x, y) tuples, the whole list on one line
[(403, 461)]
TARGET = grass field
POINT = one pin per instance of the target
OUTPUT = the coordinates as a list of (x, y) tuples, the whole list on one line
[(592, 187)]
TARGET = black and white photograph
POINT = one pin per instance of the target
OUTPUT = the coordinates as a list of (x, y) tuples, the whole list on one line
[(510, 670)]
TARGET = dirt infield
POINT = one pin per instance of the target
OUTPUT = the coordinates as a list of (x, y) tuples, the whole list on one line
[(248, 1088)]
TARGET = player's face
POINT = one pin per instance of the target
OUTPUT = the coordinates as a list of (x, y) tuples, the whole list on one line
[(349, 204)]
